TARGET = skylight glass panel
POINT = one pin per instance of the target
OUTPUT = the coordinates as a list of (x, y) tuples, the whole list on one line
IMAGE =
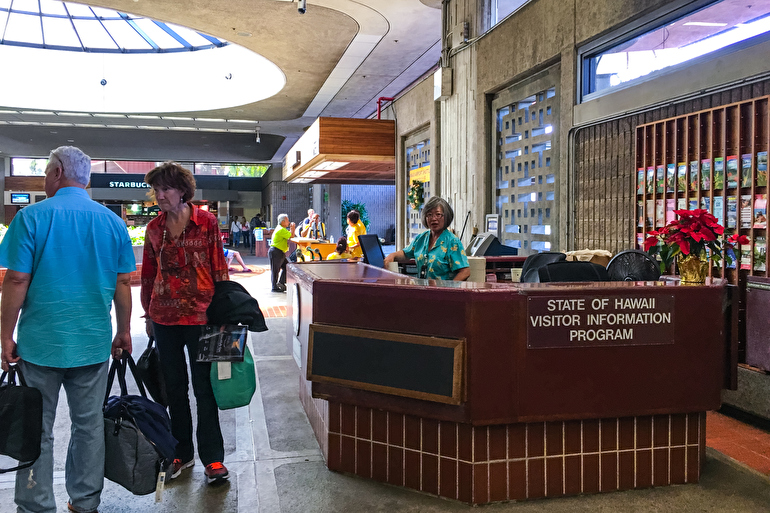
[(51, 7), (157, 34), (79, 10), (126, 36), (5, 4), (192, 37), (24, 27), (93, 35), (3, 17), (58, 32), (26, 6)]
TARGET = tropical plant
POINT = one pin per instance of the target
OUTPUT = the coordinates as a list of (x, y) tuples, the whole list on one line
[(347, 206)]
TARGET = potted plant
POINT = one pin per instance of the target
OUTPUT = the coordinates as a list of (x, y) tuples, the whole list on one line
[(693, 239), (137, 241)]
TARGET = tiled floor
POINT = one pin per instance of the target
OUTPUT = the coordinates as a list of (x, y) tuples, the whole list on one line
[(742, 442)]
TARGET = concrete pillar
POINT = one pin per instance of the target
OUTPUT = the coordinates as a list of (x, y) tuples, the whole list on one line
[(334, 205)]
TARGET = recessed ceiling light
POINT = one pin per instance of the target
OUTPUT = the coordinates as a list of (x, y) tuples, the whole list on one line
[(244, 34)]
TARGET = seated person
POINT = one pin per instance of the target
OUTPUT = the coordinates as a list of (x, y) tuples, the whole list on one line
[(341, 251), (229, 255), (314, 229), (439, 254)]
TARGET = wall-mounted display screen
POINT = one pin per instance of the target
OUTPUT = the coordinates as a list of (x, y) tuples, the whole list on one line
[(20, 198)]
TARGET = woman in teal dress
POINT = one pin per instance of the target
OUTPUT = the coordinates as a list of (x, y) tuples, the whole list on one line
[(438, 253)]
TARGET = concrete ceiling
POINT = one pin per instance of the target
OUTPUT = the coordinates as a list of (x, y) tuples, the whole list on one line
[(338, 58)]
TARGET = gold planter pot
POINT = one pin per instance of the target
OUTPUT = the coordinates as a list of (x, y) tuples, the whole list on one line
[(692, 269)]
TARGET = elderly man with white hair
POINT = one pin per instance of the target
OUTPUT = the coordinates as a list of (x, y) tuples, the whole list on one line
[(68, 258), (279, 245)]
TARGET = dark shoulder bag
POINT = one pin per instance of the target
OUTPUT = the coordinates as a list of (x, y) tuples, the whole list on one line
[(148, 368), (21, 420)]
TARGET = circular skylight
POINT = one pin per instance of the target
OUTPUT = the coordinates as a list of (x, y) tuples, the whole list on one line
[(74, 57)]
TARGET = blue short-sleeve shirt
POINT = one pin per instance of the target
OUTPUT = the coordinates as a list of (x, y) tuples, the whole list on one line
[(74, 248), (443, 260)]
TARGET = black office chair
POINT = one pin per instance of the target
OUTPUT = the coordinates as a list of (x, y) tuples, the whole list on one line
[(573, 271), (535, 261)]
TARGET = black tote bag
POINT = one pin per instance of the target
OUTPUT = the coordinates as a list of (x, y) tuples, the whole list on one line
[(148, 368), (21, 420)]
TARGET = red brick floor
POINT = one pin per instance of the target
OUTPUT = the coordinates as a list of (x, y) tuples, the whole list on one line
[(274, 311), (740, 441)]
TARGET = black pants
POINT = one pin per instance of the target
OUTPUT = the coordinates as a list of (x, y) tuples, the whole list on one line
[(171, 343), (277, 264)]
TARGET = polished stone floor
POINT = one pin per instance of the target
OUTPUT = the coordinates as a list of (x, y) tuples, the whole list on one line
[(276, 465)]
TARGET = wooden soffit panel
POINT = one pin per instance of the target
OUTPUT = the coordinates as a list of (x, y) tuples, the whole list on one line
[(344, 151)]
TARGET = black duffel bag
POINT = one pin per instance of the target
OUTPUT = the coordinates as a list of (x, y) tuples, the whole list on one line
[(137, 433), (21, 420)]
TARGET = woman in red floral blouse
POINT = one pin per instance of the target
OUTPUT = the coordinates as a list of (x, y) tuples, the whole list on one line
[(183, 257)]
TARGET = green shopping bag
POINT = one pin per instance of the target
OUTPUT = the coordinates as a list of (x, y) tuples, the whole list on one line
[(235, 390)]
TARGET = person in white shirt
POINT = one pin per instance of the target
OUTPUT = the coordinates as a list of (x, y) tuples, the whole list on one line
[(235, 232)]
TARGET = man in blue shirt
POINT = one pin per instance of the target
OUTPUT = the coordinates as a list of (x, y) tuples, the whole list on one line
[(68, 259)]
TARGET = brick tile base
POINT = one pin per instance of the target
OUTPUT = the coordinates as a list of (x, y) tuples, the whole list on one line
[(508, 462)]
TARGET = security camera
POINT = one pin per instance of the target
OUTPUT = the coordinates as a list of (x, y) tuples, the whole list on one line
[(301, 6)]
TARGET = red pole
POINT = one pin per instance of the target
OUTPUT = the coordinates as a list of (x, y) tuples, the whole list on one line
[(379, 103)]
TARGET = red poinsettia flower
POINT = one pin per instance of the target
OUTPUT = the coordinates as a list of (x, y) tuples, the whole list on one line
[(694, 232)]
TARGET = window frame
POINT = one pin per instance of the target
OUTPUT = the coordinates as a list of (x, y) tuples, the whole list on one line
[(648, 23)]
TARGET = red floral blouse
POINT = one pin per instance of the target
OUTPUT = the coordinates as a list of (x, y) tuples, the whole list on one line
[(178, 275)]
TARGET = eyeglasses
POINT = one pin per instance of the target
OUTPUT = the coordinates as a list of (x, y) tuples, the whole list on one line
[(434, 215)]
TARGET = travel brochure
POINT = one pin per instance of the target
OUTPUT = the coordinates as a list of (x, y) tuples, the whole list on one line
[(760, 211), (661, 177), (746, 212), (760, 253), (761, 168), (746, 177), (681, 177), (694, 176), (670, 177), (732, 212), (719, 173), (738, 173)]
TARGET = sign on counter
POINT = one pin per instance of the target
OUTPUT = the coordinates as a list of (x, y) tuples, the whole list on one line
[(592, 321)]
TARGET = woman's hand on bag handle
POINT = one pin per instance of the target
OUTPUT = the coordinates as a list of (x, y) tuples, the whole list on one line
[(9, 354), (148, 327)]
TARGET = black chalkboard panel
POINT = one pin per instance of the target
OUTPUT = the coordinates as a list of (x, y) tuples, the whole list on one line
[(395, 363)]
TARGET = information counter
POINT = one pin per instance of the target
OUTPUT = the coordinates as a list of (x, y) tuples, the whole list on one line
[(484, 392)]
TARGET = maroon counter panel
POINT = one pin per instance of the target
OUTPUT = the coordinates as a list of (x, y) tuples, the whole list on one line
[(533, 405)]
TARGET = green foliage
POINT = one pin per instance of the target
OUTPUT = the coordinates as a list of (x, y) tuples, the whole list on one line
[(347, 206), (137, 235), (246, 171), (665, 256), (416, 195)]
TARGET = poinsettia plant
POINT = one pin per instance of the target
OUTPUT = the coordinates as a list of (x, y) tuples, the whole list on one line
[(695, 232)]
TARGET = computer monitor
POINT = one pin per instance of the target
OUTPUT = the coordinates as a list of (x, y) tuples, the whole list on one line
[(373, 254), (20, 198), (487, 244)]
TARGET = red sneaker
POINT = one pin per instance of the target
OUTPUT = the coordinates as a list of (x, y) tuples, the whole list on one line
[(178, 466), (216, 472)]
